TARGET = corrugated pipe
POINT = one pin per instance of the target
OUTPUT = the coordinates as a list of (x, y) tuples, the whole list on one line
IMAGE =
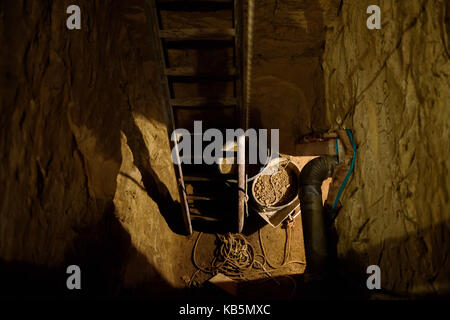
[(313, 213)]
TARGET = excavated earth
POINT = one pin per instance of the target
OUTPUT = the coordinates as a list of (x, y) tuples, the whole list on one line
[(85, 156)]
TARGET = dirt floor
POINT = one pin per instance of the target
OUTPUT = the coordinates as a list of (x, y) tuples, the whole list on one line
[(283, 280), (274, 241)]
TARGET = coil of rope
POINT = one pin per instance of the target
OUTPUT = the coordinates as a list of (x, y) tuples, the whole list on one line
[(236, 257)]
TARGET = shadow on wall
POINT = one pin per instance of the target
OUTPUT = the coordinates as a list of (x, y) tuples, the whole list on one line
[(108, 263), (152, 109), (140, 52), (99, 110), (102, 252), (155, 188), (399, 280)]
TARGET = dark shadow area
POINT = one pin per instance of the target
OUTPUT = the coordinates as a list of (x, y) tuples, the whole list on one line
[(253, 222), (104, 253), (348, 273)]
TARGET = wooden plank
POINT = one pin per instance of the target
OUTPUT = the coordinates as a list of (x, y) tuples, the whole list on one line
[(242, 190), (192, 72), (203, 101), (201, 215), (199, 178), (197, 34), (192, 134), (200, 198)]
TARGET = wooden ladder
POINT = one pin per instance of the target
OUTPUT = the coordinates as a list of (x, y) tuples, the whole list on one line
[(206, 194)]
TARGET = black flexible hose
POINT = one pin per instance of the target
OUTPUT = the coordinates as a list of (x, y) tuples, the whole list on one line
[(313, 215)]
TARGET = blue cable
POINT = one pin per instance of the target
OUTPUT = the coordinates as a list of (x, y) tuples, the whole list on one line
[(352, 166), (337, 150)]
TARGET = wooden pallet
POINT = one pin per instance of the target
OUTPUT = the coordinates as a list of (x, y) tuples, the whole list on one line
[(193, 179)]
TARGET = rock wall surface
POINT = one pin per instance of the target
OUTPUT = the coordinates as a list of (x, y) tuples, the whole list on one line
[(287, 88), (85, 158), (391, 86)]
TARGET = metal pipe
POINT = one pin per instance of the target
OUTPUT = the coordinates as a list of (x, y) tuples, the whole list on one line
[(241, 181)]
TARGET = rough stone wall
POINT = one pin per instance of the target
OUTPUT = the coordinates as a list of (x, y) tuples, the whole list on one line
[(288, 90), (391, 86), (83, 142)]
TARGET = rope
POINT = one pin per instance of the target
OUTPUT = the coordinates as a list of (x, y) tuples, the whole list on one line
[(235, 257), (287, 248), (251, 10)]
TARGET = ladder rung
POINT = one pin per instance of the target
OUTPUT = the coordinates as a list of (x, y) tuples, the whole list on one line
[(203, 101), (191, 72), (197, 34), (178, 136), (203, 198), (198, 178), (197, 214)]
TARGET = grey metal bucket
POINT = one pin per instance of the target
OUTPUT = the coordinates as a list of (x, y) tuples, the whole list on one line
[(275, 215)]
